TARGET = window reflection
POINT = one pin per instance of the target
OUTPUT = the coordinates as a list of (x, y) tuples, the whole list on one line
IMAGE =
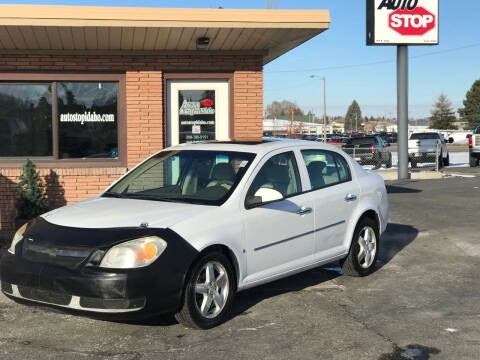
[(25, 120), (88, 119)]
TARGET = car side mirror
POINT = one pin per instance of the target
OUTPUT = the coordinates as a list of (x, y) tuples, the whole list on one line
[(469, 136), (450, 140), (263, 196)]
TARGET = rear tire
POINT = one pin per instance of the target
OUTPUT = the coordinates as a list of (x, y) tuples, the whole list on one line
[(389, 162), (473, 161), (209, 292), (363, 254), (414, 165)]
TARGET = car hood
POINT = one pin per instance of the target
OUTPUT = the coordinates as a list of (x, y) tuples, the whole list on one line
[(101, 213)]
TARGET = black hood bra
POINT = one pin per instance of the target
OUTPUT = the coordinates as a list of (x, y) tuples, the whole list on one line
[(41, 230)]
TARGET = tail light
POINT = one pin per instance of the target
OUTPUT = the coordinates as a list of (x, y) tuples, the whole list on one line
[(470, 142), (373, 149)]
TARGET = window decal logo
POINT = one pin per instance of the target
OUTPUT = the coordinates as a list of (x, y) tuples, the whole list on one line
[(207, 102)]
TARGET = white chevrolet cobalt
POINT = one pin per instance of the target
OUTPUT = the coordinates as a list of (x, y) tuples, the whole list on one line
[(195, 223)]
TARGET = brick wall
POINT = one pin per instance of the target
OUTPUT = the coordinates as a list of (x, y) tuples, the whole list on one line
[(62, 186), (144, 112)]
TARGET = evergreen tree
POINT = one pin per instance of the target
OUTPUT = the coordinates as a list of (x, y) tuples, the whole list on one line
[(443, 116), (31, 202), (471, 112), (353, 117)]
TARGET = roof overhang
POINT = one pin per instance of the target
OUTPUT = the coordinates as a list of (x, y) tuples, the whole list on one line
[(74, 29)]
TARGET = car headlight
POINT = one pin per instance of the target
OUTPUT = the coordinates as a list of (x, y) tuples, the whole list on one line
[(17, 238), (134, 253)]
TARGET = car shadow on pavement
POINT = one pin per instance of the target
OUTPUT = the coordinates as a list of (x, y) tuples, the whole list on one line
[(313, 280), (394, 240), (398, 188)]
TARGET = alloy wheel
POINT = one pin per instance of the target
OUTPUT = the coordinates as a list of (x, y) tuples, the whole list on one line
[(211, 289), (367, 241)]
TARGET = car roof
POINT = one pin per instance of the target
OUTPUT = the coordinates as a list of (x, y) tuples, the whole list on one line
[(264, 146)]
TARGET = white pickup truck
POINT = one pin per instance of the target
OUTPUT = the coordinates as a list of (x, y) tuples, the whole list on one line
[(474, 145), (422, 148)]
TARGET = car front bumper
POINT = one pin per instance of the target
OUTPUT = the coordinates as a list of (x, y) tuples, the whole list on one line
[(101, 292)]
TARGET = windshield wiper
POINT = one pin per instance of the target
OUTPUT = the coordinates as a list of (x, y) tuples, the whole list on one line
[(113, 194), (157, 198)]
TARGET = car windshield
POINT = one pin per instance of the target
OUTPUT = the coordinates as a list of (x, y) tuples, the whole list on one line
[(424, 136), (193, 176)]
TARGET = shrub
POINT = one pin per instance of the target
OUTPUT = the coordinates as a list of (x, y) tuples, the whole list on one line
[(31, 202)]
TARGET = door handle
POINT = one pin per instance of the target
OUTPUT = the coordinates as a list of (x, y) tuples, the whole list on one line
[(350, 197), (304, 210)]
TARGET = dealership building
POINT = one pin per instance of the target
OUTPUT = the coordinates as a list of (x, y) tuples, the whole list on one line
[(88, 92)]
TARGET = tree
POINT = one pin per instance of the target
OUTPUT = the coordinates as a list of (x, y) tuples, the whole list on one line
[(31, 202), (284, 108), (443, 115), (274, 109), (471, 111), (353, 119)]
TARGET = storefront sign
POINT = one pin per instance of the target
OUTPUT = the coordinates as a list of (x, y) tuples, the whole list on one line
[(196, 115), (87, 117), (402, 22)]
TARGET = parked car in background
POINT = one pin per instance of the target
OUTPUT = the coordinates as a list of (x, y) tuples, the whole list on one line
[(369, 150), (195, 223), (474, 147), (428, 147)]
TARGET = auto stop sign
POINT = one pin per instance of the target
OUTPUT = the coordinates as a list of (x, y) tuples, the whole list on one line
[(402, 22)]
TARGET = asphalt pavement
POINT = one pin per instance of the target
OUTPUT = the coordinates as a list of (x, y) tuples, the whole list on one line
[(422, 302)]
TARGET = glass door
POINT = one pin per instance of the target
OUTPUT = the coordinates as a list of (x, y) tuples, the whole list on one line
[(197, 110)]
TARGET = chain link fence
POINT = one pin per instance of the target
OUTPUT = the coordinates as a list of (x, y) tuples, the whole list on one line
[(375, 159)]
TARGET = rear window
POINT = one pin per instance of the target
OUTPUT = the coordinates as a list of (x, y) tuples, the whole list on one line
[(425, 136), (362, 141)]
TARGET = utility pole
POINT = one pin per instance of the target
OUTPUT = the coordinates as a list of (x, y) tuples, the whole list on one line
[(402, 100)]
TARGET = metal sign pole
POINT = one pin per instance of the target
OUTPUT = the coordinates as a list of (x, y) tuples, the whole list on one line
[(402, 115)]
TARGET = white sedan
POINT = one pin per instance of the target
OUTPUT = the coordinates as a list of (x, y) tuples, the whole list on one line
[(190, 226)]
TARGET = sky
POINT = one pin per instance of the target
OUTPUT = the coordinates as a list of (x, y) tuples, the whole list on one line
[(352, 69)]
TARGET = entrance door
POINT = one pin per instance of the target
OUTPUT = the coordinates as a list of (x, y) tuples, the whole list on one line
[(197, 110)]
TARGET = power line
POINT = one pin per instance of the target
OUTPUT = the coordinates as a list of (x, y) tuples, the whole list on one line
[(340, 67)]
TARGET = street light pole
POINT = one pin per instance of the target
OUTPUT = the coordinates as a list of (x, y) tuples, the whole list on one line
[(324, 130)]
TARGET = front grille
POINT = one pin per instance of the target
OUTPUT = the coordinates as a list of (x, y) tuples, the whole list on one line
[(118, 304), (44, 252), (44, 296), (6, 287)]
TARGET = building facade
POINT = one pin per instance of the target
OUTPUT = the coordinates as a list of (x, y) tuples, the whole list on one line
[(87, 93)]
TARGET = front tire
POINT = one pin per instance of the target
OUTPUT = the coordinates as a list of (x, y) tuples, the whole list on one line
[(363, 254), (446, 161), (209, 292)]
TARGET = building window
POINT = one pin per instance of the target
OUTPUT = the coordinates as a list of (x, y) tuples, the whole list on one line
[(25, 120), (87, 120), (62, 118)]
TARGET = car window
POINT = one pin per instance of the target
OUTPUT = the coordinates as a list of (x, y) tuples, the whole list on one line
[(325, 168), (343, 169), (280, 172), (425, 136), (362, 141)]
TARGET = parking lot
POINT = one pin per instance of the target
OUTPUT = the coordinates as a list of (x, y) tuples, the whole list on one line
[(422, 302)]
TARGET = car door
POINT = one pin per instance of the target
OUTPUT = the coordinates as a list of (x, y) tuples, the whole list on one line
[(279, 234), (335, 195)]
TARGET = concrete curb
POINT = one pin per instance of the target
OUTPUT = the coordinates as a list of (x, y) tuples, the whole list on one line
[(417, 175)]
